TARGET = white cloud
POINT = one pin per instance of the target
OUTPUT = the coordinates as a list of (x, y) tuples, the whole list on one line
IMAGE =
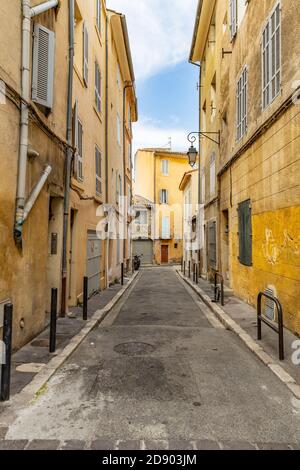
[(149, 134), (160, 32)]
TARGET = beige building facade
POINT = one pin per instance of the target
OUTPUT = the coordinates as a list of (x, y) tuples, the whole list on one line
[(258, 166), (158, 173)]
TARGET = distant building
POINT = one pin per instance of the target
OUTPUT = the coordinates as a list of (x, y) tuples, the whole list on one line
[(158, 173), (250, 93)]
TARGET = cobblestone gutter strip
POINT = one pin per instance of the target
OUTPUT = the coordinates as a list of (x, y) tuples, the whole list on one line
[(38, 385), (230, 324)]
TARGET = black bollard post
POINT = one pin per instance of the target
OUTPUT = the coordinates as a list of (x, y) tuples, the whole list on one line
[(184, 268), (85, 298), (53, 320), (7, 340), (189, 270)]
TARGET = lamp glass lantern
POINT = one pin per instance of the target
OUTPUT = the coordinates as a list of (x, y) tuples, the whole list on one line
[(192, 156)]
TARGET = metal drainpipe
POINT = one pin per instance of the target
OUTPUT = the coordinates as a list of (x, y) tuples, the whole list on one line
[(23, 148), (106, 143), (68, 161), (124, 163)]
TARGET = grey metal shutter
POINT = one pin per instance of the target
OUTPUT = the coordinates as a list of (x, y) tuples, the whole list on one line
[(245, 233), (43, 66), (212, 240), (85, 55), (233, 18)]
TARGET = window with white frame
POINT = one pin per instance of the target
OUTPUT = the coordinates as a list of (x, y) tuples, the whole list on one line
[(119, 129), (271, 57), (212, 174), (98, 14), (80, 151), (163, 196), (97, 87), (98, 164), (241, 103), (165, 167)]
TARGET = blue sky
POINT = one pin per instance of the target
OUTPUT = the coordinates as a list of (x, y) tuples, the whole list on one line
[(160, 36)]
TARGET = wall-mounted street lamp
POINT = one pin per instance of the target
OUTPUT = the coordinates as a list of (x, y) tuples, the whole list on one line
[(192, 153)]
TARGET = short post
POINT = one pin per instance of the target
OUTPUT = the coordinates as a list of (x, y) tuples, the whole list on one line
[(189, 269), (122, 274), (7, 339), (197, 276), (184, 268), (53, 320), (85, 298)]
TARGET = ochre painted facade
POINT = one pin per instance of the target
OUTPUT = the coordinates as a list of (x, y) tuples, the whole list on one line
[(150, 181), (263, 166)]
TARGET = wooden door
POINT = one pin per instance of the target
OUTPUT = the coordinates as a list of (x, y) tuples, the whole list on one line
[(164, 253)]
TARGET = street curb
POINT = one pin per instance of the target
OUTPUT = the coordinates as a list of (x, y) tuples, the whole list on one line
[(39, 382), (254, 347)]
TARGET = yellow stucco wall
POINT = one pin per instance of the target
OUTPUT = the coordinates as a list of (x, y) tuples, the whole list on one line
[(27, 276)]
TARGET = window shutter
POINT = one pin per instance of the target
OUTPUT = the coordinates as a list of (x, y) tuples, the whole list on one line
[(212, 240), (160, 196), (43, 66), (167, 196), (75, 138), (233, 18), (245, 233), (85, 54)]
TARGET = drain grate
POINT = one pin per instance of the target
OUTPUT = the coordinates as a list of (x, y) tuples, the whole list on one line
[(134, 349)]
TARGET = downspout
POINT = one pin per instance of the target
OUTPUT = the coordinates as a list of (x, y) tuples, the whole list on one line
[(106, 144), (36, 192), (124, 164), (23, 146), (68, 161)]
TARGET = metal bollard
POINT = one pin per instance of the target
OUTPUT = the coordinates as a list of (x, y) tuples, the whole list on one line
[(184, 268), (85, 298), (53, 320), (189, 270), (197, 276), (7, 339), (122, 274)]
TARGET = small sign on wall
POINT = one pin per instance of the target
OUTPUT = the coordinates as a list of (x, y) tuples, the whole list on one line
[(54, 243), (7, 301)]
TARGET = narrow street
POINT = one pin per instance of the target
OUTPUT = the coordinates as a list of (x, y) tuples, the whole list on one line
[(161, 372)]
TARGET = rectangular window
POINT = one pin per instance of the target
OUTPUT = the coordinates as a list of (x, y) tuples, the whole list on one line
[(212, 244), (271, 57), (43, 66), (212, 174), (98, 164), (245, 233), (163, 196), (165, 235), (80, 151), (233, 7), (85, 55), (241, 104), (98, 14), (97, 87), (165, 167), (119, 129)]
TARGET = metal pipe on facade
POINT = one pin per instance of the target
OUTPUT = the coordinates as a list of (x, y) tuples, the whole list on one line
[(68, 161), (23, 146), (37, 10), (36, 192), (106, 146)]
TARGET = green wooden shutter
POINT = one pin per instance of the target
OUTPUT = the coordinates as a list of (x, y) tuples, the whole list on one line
[(245, 233)]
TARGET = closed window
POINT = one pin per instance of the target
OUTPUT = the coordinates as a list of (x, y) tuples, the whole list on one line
[(98, 164), (212, 244), (233, 7), (241, 104), (80, 152), (165, 167), (163, 196), (271, 57), (245, 233), (85, 55), (98, 14), (165, 228), (97, 87), (213, 174), (43, 66)]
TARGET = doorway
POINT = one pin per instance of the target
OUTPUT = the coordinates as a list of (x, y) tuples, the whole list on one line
[(165, 253), (225, 246)]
